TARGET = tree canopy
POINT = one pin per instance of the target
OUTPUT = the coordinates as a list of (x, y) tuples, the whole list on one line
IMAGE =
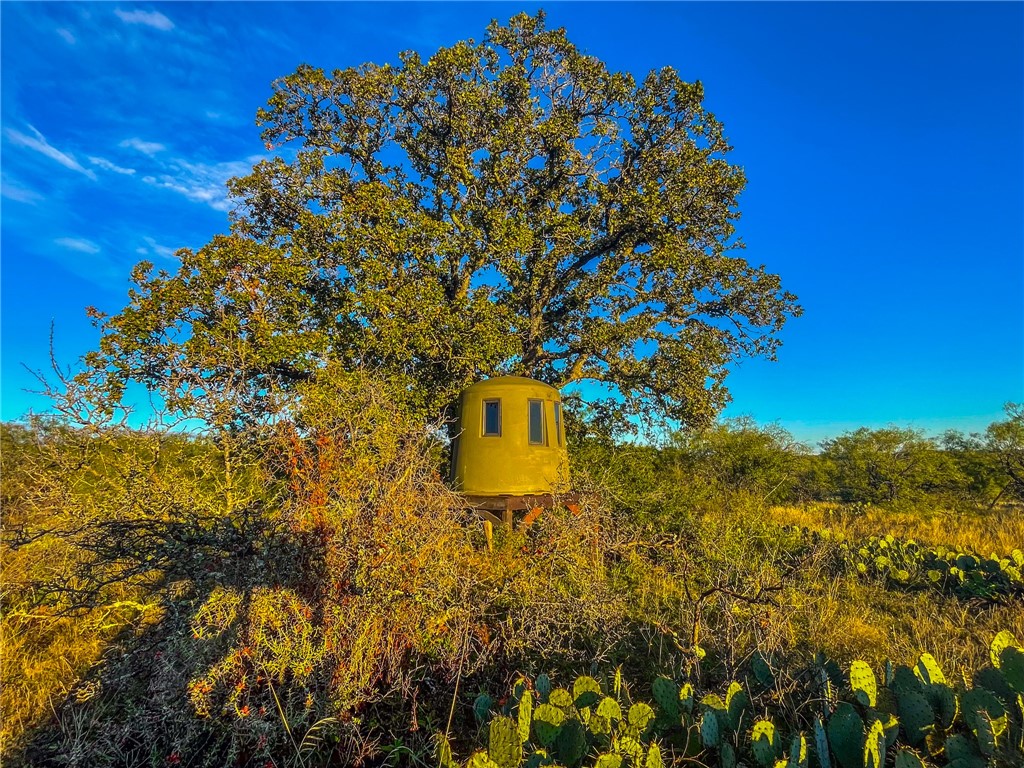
[(508, 206)]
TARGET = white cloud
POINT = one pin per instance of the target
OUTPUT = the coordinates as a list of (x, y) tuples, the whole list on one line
[(18, 193), (77, 244), (155, 247), (66, 34), (202, 183), (38, 143), (106, 165), (153, 19), (145, 147)]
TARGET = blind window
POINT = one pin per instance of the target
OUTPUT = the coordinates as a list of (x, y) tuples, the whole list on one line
[(492, 418), (536, 422)]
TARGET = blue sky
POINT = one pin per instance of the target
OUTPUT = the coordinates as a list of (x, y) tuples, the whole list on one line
[(883, 143)]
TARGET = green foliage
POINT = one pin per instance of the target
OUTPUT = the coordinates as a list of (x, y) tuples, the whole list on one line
[(448, 218), (860, 732), (887, 466)]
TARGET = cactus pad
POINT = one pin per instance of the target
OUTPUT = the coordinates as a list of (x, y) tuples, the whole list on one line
[(944, 702), (543, 687), (640, 716), (686, 698), (762, 741), (762, 670), (907, 759), (609, 761), (547, 722), (560, 698), (960, 752), (482, 708), (862, 681), (599, 725), (481, 760), (666, 694), (630, 747), (846, 736), (709, 734), (874, 746), (916, 715), (443, 752), (727, 756), (927, 670), (609, 708), (798, 752), (654, 757), (737, 703), (524, 715), (586, 692), (821, 744), (503, 743), (572, 742), (1011, 664), (1002, 640)]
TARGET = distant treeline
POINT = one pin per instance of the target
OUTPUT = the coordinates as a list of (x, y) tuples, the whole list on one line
[(892, 467)]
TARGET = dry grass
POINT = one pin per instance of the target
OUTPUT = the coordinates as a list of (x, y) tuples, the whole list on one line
[(1000, 530)]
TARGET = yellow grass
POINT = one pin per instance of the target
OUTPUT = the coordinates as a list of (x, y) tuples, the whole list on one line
[(1000, 530)]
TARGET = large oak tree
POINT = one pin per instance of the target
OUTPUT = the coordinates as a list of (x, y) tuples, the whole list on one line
[(504, 206)]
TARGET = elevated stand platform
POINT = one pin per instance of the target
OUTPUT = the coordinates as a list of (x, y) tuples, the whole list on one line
[(501, 510)]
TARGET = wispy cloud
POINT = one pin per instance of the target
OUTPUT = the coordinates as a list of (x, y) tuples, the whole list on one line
[(202, 183), (66, 34), (38, 143), (145, 147), (153, 19), (79, 244), (14, 191), (152, 246), (106, 165)]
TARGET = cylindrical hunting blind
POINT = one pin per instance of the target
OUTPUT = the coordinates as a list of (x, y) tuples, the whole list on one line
[(510, 439)]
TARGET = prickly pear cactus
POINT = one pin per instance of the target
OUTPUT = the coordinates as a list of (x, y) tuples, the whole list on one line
[(737, 704), (524, 715), (821, 744), (686, 699), (846, 736), (561, 698), (543, 687), (547, 723), (503, 744), (916, 716), (709, 734), (727, 756), (571, 744), (586, 692), (1002, 640), (762, 670), (481, 760), (666, 694), (985, 715), (907, 759), (862, 681), (482, 708), (609, 760), (927, 670), (640, 716), (1011, 664), (944, 702), (797, 752), (763, 741), (653, 759), (874, 746), (609, 708)]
